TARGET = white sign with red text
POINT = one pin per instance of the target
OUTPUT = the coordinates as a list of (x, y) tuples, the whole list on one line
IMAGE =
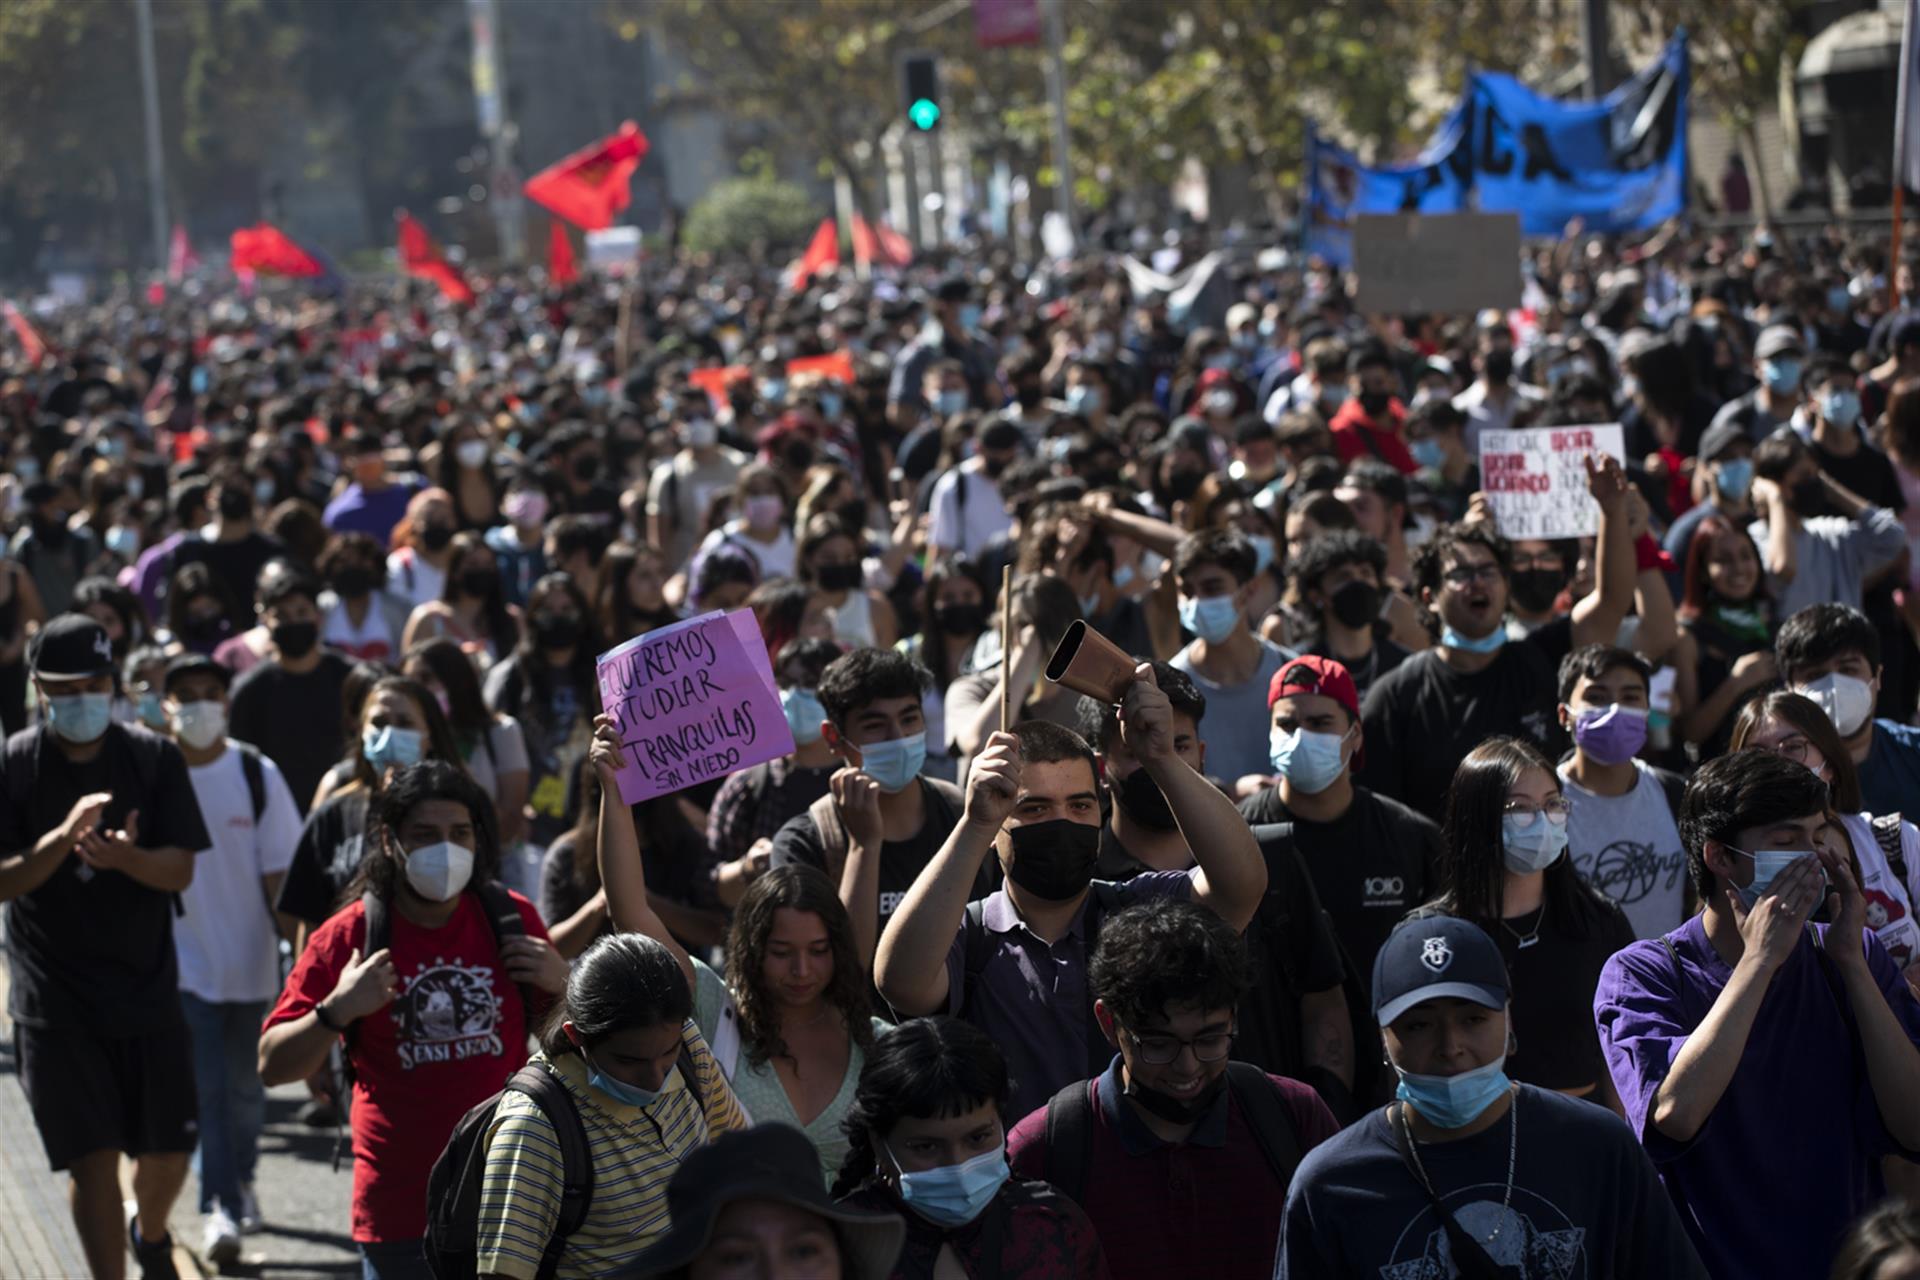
[(1536, 479)]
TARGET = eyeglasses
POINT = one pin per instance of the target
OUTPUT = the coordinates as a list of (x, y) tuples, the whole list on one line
[(1159, 1050), (1488, 572), (1552, 564), (1794, 748), (1556, 810)]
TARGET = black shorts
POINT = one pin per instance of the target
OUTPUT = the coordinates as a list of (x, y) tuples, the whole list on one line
[(132, 1094)]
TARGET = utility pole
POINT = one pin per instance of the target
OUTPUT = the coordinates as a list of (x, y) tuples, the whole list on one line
[(1594, 47), (156, 159), (1057, 95), (490, 103)]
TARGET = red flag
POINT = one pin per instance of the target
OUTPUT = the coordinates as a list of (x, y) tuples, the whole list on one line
[(823, 251), (180, 255), (422, 257), (267, 250), (590, 186), (560, 265), (31, 344), (885, 246), (998, 23)]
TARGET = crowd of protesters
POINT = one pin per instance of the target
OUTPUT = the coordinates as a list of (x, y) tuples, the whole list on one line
[(1259, 968)]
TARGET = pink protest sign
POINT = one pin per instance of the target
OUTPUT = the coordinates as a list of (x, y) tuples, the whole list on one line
[(693, 702)]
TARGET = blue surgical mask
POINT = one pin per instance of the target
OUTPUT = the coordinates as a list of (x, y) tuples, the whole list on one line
[(1736, 477), (1839, 301), (1122, 577), (1841, 408), (1214, 618), (969, 317), (620, 1091), (1332, 396), (773, 390), (391, 746), (831, 403), (1453, 1102), (804, 714), (1088, 604), (1083, 398), (1531, 843), (152, 714), (1310, 761), (953, 1195), (1427, 452), (949, 402), (80, 717), (1767, 866), (894, 763), (1782, 375), (1263, 551), (1488, 643)]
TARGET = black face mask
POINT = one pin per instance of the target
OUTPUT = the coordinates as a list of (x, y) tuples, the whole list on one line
[(204, 633), (435, 537), (1054, 859), (1535, 589), (295, 639), (351, 584), (1808, 497), (1144, 801), (1177, 1110), (960, 619), (585, 467), (798, 455), (1184, 483), (556, 631), (52, 533), (1027, 395), (1355, 604), (235, 504), (1497, 366), (479, 582), (993, 467), (838, 577), (853, 514), (1374, 403)]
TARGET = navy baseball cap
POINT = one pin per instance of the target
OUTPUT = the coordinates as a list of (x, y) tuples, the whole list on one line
[(1432, 957)]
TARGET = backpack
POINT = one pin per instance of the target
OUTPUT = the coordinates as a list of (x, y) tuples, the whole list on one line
[(1070, 1129), (1886, 834), (1103, 900), (453, 1187), (947, 804)]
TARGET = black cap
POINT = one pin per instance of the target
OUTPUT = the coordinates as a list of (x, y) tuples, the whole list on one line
[(953, 289), (193, 664), (1432, 957), (768, 1162), (1001, 434), (72, 646), (1719, 438)]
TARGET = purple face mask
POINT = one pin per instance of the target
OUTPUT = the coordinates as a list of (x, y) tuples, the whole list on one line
[(1611, 734)]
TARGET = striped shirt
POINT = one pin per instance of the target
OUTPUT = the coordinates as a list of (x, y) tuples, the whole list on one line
[(635, 1151)]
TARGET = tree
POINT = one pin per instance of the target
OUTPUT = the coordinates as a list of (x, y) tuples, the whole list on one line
[(749, 215)]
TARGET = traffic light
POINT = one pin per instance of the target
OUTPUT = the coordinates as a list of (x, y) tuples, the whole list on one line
[(920, 89)]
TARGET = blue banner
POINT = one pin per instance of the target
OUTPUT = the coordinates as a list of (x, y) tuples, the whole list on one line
[(1619, 164)]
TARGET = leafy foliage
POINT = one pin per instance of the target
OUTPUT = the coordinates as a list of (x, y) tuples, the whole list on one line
[(749, 215)]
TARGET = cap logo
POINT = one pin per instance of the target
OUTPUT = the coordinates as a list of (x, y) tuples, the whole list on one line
[(102, 647), (1436, 954)]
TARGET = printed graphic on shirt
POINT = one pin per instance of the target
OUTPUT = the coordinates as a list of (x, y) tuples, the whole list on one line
[(448, 1013), (1628, 871), (1383, 891), (1887, 917), (1531, 1240)]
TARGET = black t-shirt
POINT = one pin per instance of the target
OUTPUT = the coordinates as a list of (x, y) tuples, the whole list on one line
[(331, 846), (1866, 472), (94, 949), (237, 564), (1422, 717), (1553, 983), (1370, 866), (293, 719), (1382, 658)]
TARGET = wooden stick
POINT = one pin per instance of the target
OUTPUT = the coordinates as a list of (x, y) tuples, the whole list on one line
[(1006, 647), (1893, 249)]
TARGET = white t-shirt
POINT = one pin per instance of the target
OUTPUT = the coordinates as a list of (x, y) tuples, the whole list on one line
[(1629, 848), (373, 640), (225, 937), (776, 558), (410, 577), (1889, 903), (970, 525), (508, 755)]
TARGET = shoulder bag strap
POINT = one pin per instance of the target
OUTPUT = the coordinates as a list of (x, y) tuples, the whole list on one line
[(1468, 1255), (576, 1158), (1268, 1116), (1070, 1139)]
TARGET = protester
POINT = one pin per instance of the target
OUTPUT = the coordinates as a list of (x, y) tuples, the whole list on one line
[(1812, 557), (363, 620), (1231, 665), (547, 685), (1728, 618), (471, 609), (1830, 654), (1341, 578), (490, 743), (288, 705)]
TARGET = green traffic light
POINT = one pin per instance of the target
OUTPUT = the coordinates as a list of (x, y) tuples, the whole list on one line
[(925, 113)]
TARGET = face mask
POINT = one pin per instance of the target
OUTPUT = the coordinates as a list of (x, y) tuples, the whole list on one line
[(1848, 701), (1612, 734), (954, 1195), (200, 724), (1767, 866), (949, 402), (894, 763), (525, 508), (1531, 844), (80, 717), (1213, 618), (1735, 477), (1488, 643), (1535, 590), (620, 1091), (295, 639), (391, 746), (1144, 801), (703, 433), (1781, 375), (1053, 859), (206, 632), (1452, 1102), (1263, 551), (1427, 452), (51, 532), (838, 577), (479, 582), (1332, 397), (1248, 339), (435, 537), (1355, 603), (1177, 1110), (1374, 403), (1497, 366), (960, 619), (1221, 402), (1088, 604), (1083, 399), (804, 714), (556, 630), (123, 542), (1310, 761), (1184, 483), (471, 454), (831, 404), (151, 712), (763, 510), (439, 871), (1841, 408)]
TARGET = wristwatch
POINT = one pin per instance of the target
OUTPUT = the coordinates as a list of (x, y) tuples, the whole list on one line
[(320, 1013)]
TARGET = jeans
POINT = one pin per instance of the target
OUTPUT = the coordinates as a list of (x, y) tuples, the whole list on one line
[(394, 1260), (233, 1102)]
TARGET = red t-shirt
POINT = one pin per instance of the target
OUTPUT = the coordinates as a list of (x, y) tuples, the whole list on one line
[(455, 1033), (1355, 435)]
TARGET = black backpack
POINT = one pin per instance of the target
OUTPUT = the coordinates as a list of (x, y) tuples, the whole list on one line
[(453, 1187)]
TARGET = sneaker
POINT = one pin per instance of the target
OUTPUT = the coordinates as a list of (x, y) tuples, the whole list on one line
[(220, 1238), (250, 1219), (154, 1256)]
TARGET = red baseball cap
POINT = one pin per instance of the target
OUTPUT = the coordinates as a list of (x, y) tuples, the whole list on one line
[(1314, 674)]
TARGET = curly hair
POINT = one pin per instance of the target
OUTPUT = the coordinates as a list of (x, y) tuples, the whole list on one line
[(927, 1067), (413, 786), (1170, 954), (800, 888)]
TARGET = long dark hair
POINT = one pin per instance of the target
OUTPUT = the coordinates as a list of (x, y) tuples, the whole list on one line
[(1890, 1233), (614, 611), (412, 786), (933, 646), (439, 745), (501, 627), (1474, 865), (466, 709), (927, 1067), (535, 670), (1843, 776), (1698, 590), (622, 981), (800, 888)]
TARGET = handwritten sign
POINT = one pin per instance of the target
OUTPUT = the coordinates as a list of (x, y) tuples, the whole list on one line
[(1461, 262), (1537, 480), (693, 702)]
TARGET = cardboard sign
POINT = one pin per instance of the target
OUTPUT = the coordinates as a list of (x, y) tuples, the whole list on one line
[(1411, 263), (614, 250), (693, 702), (1536, 480)]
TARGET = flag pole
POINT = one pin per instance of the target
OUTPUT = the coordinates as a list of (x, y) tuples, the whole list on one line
[(1893, 248), (1006, 646), (1901, 164)]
